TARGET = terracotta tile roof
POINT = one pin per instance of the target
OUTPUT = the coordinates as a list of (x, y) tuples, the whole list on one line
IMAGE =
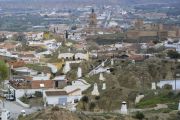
[(136, 57), (8, 45), (36, 84), (56, 93), (16, 64), (20, 84)]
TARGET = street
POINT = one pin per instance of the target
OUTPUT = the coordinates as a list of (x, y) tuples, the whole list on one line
[(15, 109)]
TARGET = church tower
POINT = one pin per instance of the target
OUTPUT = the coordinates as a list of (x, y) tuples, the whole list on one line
[(92, 21)]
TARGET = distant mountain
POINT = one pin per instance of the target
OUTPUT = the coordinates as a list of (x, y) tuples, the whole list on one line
[(71, 3)]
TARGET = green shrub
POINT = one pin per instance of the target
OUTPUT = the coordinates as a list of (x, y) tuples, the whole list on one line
[(24, 99), (92, 105), (173, 106), (139, 115), (38, 94), (167, 87), (167, 110)]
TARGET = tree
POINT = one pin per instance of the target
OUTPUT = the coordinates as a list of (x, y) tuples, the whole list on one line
[(92, 105), (3, 71), (173, 54), (84, 100)]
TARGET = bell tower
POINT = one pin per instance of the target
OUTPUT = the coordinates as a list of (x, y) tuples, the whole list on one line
[(92, 21)]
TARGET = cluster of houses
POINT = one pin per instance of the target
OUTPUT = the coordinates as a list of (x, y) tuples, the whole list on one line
[(56, 91), (26, 81)]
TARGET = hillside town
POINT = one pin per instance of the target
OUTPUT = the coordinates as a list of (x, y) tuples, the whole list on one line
[(90, 62)]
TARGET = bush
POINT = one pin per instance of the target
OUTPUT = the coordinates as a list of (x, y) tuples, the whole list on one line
[(173, 106), (92, 105), (167, 87), (139, 115), (85, 99), (55, 108), (24, 99), (166, 110), (171, 94), (97, 97), (173, 54), (38, 94)]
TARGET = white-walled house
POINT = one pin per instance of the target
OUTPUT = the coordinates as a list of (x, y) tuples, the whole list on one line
[(69, 95), (169, 82), (62, 97), (29, 58), (6, 53), (172, 45), (21, 87), (66, 56), (76, 56), (25, 71), (49, 44), (82, 56), (78, 84), (53, 97), (35, 36)]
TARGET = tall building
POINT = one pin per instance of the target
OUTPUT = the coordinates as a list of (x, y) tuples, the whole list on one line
[(92, 21)]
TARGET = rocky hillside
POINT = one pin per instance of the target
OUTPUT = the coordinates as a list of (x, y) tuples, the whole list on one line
[(55, 114)]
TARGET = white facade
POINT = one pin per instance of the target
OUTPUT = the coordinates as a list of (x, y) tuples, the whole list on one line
[(73, 95), (66, 56), (53, 100), (21, 92), (25, 69), (170, 82), (5, 52), (81, 56), (78, 84)]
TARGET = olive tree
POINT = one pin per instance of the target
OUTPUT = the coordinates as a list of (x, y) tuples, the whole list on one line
[(3, 71)]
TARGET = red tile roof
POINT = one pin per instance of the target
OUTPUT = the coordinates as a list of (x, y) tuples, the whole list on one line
[(16, 64), (136, 57), (36, 84), (8, 45)]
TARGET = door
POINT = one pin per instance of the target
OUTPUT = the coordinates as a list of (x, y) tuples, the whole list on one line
[(63, 100)]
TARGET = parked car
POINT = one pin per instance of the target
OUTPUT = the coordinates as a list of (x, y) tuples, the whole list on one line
[(10, 97), (8, 114)]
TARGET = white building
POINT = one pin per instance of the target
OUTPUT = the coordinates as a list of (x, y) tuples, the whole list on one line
[(66, 56), (170, 82), (25, 71), (62, 97)]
